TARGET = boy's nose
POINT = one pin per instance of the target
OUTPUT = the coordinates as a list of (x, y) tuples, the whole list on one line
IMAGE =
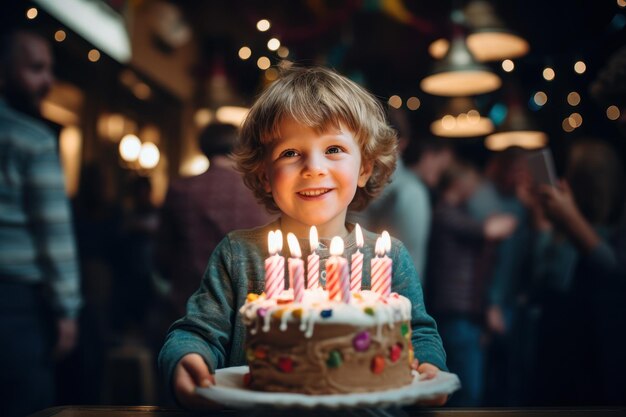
[(314, 166)]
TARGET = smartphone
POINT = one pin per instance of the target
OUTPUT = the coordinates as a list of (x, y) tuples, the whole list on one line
[(541, 166)]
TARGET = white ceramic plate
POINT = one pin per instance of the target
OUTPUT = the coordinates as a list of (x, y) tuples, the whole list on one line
[(229, 391)]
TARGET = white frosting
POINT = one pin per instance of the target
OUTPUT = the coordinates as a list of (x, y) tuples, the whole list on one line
[(366, 309)]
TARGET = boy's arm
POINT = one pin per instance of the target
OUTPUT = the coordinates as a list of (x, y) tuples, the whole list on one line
[(424, 337), (207, 327)]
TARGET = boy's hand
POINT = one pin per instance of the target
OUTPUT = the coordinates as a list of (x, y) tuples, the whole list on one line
[(429, 371), (191, 372)]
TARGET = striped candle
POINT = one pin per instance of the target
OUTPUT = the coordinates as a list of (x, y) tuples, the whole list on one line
[(313, 261), (274, 268), (337, 274), (356, 265), (296, 268), (344, 279), (381, 270)]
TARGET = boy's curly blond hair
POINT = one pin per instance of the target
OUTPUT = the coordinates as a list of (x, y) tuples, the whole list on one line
[(320, 99)]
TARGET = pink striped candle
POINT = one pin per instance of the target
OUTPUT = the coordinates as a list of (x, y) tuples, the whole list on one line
[(337, 276), (296, 268), (313, 261), (274, 268), (381, 269), (356, 265)]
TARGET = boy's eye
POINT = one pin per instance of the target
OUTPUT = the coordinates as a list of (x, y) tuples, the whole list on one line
[(289, 153), (334, 149)]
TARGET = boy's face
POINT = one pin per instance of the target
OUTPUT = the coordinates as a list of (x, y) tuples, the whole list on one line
[(313, 176)]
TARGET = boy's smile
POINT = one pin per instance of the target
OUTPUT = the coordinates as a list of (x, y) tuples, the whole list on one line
[(313, 176)]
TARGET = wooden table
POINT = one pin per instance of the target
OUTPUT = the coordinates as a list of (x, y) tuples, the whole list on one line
[(150, 411)]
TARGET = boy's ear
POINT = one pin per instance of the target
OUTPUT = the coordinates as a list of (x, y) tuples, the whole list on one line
[(365, 174), (266, 183)]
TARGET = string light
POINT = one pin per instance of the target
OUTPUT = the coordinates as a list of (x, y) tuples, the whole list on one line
[(130, 147), (245, 52), (273, 44), (548, 74), (576, 120), (621, 3), (59, 35), (263, 63), (540, 98), (508, 65), (263, 25), (94, 55), (580, 67), (283, 52), (32, 13), (395, 101), (573, 98), (413, 103), (271, 74), (149, 155), (613, 113), (567, 127)]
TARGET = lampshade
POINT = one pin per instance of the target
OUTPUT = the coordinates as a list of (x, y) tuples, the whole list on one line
[(489, 38), (517, 130), (459, 74), (461, 119)]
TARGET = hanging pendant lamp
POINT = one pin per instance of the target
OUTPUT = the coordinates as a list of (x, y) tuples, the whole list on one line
[(518, 129), (461, 119)]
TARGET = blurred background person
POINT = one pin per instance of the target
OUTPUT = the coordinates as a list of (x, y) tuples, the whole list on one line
[(404, 207), (457, 295), (581, 269), (39, 281), (197, 213)]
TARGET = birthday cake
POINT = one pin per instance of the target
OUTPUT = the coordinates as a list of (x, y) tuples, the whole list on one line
[(317, 347)]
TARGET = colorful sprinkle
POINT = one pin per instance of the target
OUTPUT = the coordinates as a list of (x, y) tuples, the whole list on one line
[(297, 313), (394, 352), (378, 364), (285, 365), (277, 314), (252, 297), (250, 355), (334, 359), (281, 301), (326, 313), (361, 341), (404, 328), (369, 310), (261, 312), (411, 354)]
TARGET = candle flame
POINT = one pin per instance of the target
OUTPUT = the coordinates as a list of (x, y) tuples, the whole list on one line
[(386, 241), (294, 246), (271, 246), (278, 239), (336, 246), (380, 247), (313, 240), (359, 236)]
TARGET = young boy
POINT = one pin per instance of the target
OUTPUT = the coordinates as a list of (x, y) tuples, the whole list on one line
[(314, 145)]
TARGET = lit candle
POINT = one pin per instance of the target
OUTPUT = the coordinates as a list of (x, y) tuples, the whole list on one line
[(274, 266), (313, 261), (356, 272), (382, 266), (337, 274), (296, 268)]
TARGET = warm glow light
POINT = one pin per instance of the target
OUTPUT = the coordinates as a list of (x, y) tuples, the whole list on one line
[(59, 35), (149, 155), (336, 246), (613, 113), (465, 125), (203, 117), (460, 83), (540, 98), (438, 48), (567, 127), (508, 65), (58, 113), (294, 246), (32, 13), (245, 52), (527, 139), (548, 74), (448, 122), (580, 67), (263, 63), (70, 144), (142, 91), (94, 55), (473, 117), (273, 44), (486, 46), (194, 165), (231, 114), (576, 120), (130, 147), (413, 103), (263, 25), (283, 52), (621, 3), (573, 98), (395, 102), (271, 74)]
